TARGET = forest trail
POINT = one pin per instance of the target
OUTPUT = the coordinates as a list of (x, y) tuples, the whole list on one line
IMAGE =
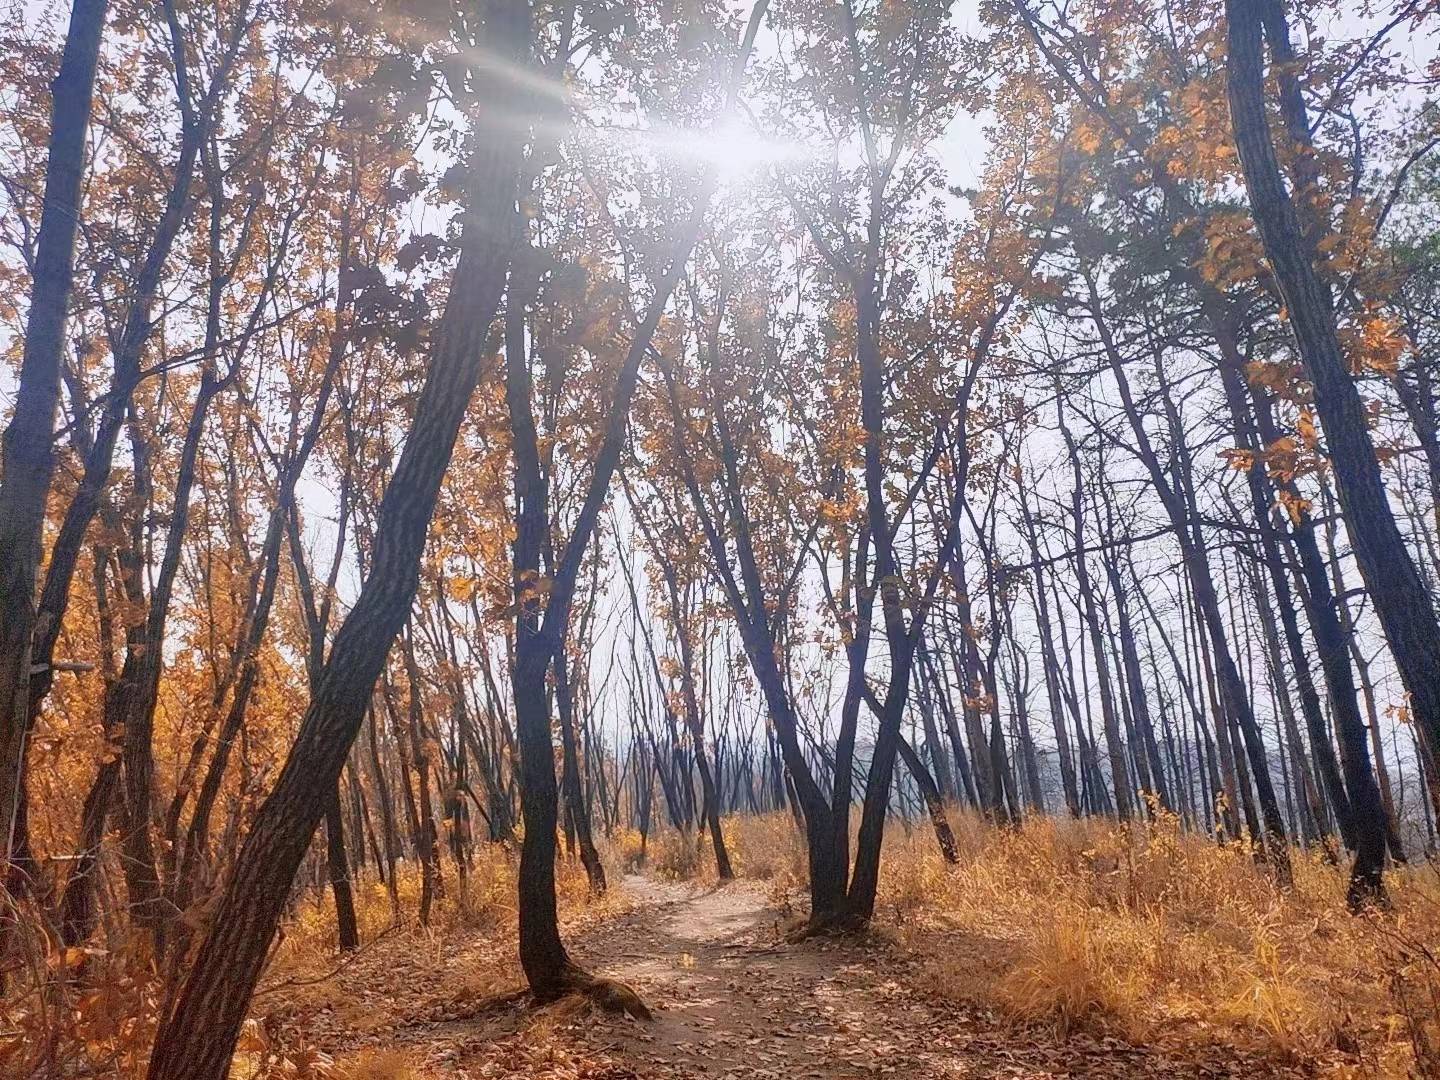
[(733, 1000)]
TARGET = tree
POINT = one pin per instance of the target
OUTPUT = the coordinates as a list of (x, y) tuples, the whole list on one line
[(28, 456), (543, 602), (198, 1038), (1401, 600)]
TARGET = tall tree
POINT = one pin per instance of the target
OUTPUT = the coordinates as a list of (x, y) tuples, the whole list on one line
[(29, 459), (198, 1038), (1391, 578)]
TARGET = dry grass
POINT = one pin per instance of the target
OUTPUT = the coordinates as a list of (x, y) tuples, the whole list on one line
[(485, 901), (1149, 934), (761, 848), (1153, 934), (378, 1065)]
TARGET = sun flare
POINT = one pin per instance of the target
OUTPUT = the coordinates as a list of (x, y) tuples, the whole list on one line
[(737, 150)]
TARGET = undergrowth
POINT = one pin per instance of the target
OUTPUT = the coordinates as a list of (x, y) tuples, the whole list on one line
[(1146, 933), (94, 1011)]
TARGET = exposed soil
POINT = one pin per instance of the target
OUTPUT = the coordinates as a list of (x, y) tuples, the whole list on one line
[(732, 999)]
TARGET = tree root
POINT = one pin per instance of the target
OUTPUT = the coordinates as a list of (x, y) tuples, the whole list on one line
[(839, 924), (607, 994), (613, 996)]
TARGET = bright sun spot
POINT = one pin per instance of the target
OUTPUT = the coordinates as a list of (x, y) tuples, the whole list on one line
[(738, 150)]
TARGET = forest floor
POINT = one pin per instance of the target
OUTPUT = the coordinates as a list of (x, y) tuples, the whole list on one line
[(732, 999)]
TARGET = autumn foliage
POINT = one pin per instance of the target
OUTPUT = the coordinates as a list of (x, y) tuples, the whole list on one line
[(961, 479)]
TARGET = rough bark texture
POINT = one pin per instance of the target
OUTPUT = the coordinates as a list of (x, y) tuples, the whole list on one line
[(29, 461), (197, 1040), (338, 868), (1401, 601)]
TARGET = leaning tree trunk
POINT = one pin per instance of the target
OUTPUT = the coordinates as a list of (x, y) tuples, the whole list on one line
[(1364, 806), (138, 326), (29, 460), (934, 803), (197, 1040), (1401, 602)]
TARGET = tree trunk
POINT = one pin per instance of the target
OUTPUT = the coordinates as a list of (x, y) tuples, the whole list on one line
[(387, 813), (1049, 663), (1115, 744), (574, 791), (29, 458), (198, 1039), (1401, 601), (339, 869)]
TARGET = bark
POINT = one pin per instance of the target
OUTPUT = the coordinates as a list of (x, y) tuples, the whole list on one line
[(1029, 759), (416, 753), (678, 603), (929, 790), (29, 458), (574, 791), (695, 722), (338, 866), (969, 670), (142, 879), (1401, 602), (387, 814), (930, 691), (197, 1040), (934, 805), (1368, 729)]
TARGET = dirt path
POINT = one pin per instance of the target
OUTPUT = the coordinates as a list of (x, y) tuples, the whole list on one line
[(732, 1000)]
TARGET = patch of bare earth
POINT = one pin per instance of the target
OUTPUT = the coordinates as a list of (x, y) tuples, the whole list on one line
[(732, 999)]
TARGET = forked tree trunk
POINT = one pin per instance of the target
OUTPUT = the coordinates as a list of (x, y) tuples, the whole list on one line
[(694, 721), (1178, 498)]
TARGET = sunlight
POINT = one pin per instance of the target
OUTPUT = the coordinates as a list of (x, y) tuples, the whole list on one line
[(738, 150)]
